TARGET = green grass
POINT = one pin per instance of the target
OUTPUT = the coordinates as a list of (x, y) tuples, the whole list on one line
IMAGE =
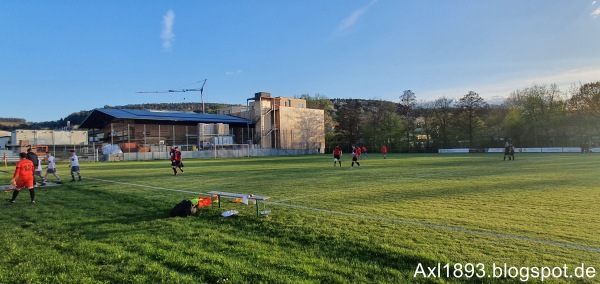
[(328, 225)]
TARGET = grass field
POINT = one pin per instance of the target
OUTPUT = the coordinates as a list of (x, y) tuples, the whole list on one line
[(328, 224)]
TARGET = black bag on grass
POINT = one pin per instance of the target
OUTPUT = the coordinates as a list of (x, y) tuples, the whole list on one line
[(183, 209)]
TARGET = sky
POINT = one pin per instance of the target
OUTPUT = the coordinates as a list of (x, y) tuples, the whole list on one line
[(60, 57)]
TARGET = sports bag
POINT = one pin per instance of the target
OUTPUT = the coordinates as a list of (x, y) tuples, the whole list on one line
[(184, 208)]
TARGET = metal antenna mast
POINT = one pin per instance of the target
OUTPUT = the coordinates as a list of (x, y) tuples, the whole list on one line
[(201, 90)]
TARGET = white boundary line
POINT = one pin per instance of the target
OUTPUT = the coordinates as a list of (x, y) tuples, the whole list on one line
[(398, 221), (147, 186)]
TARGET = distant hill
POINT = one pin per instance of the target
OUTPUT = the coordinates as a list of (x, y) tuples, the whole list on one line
[(9, 123), (195, 107)]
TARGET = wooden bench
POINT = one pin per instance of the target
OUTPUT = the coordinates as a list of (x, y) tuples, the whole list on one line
[(244, 197)]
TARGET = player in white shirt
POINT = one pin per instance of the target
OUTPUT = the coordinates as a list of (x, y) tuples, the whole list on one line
[(51, 167), (74, 166), (38, 172)]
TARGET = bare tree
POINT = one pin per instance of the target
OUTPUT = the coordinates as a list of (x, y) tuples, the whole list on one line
[(584, 108), (443, 114), (382, 126), (469, 106), (543, 110), (408, 100), (349, 119)]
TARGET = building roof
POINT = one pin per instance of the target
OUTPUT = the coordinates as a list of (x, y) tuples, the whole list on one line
[(100, 117)]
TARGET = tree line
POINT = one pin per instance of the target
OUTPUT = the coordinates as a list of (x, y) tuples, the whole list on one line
[(536, 116)]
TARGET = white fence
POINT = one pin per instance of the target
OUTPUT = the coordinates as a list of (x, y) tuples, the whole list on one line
[(10, 156), (207, 154)]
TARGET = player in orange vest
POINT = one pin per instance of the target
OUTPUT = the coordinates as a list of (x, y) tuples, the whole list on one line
[(23, 177)]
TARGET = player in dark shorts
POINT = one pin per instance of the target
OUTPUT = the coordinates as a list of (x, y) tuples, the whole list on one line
[(355, 155), (33, 157), (173, 161), (337, 155), (74, 166), (176, 160)]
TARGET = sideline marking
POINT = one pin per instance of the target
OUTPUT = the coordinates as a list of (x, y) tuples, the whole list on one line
[(146, 186), (398, 221)]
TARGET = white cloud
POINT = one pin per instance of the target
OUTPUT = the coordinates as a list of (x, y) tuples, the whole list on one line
[(494, 91), (354, 17), (594, 3), (596, 13), (167, 32), (231, 73)]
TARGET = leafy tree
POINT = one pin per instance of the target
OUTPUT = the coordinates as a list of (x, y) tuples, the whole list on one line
[(543, 109)]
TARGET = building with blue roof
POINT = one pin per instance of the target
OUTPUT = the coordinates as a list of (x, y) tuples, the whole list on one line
[(136, 130)]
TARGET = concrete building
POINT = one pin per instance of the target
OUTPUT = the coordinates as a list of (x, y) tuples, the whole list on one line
[(4, 139), (284, 123), (140, 130), (232, 110), (24, 138)]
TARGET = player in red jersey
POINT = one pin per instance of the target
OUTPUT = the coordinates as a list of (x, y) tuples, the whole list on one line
[(178, 162), (364, 150), (173, 162), (384, 151), (23, 177), (355, 155), (337, 155)]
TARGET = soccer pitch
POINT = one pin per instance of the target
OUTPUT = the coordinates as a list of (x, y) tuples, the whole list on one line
[(455, 218)]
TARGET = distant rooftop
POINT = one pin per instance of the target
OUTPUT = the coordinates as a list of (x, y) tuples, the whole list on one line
[(99, 118)]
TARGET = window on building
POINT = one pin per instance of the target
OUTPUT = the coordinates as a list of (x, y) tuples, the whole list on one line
[(300, 105)]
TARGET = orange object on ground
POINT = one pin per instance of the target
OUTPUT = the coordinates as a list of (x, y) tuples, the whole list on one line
[(203, 202)]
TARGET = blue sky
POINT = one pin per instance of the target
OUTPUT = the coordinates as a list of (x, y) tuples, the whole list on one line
[(59, 57)]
